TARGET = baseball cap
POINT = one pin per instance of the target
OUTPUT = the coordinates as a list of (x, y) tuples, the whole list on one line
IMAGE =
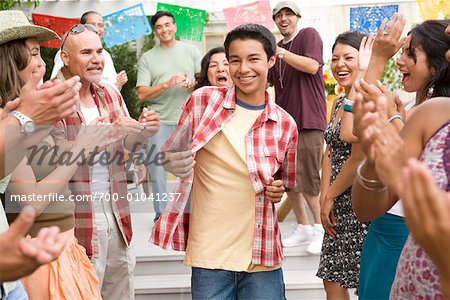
[(286, 4)]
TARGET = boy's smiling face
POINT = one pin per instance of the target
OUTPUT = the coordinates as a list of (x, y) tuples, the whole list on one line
[(248, 69)]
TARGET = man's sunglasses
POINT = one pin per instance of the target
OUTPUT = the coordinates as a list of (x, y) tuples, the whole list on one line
[(76, 29)]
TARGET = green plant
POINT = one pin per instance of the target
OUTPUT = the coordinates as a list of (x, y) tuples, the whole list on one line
[(7, 4), (391, 75), (125, 58), (48, 55)]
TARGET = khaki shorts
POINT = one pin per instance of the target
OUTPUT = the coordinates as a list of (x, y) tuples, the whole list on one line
[(309, 161)]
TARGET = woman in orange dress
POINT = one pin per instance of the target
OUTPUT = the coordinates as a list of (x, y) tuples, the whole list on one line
[(71, 276)]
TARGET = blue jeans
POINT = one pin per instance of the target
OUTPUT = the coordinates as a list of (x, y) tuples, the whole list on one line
[(18, 293), (228, 285), (157, 173)]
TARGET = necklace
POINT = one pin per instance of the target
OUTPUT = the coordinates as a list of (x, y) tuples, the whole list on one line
[(283, 69)]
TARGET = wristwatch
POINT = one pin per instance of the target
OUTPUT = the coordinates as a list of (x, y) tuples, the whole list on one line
[(27, 125), (281, 53)]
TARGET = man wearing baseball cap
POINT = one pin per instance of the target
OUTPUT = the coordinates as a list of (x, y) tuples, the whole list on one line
[(297, 78)]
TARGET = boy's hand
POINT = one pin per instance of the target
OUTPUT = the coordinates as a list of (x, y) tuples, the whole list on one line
[(179, 164), (275, 190)]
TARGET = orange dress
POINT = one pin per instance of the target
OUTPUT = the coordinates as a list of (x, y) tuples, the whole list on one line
[(70, 276)]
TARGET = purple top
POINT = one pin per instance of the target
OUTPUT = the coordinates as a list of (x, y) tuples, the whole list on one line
[(301, 94), (417, 277)]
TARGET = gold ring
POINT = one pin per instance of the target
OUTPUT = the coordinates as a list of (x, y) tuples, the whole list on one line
[(385, 33)]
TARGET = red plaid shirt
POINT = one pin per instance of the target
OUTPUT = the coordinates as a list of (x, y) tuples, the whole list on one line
[(109, 104), (271, 147)]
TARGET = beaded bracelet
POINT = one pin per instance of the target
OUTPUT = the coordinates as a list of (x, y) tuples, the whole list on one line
[(348, 105)]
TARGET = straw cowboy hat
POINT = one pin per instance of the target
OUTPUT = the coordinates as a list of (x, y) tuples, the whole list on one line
[(15, 25)]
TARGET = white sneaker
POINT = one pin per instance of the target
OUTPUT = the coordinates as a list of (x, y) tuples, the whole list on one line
[(315, 246), (300, 235)]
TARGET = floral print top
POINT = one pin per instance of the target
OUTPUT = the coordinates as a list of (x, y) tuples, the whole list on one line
[(417, 277)]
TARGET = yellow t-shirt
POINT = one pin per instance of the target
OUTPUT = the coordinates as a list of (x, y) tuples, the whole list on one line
[(222, 220)]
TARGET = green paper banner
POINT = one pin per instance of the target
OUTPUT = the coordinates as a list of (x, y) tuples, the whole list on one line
[(190, 21)]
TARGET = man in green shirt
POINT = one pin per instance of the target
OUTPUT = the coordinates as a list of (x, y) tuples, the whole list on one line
[(165, 76)]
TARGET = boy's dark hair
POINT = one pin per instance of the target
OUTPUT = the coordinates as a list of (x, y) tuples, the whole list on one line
[(350, 38), (160, 14), (84, 16), (202, 77), (252, 32), (431, 37)]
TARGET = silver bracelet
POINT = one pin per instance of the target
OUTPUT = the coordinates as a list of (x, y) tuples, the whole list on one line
[(364, 181), (395, 117)]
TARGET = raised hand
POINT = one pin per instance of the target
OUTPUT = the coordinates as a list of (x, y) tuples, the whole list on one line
[(382, 145), (50, 102), (121, 79), (371, 93), (360, 109), (365, 52), (388, 39)]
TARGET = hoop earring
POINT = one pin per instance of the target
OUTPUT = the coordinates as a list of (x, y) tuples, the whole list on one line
[(430, 92)]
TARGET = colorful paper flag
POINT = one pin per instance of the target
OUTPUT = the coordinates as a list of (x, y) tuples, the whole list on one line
[(57, 24), (125, 25), (258, 12), (190, 21), (367, 19)]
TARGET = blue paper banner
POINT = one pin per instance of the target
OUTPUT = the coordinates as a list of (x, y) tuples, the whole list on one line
[(368, 19), (125, 25)]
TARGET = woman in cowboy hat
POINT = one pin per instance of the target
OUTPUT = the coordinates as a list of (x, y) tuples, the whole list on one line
[(71, 276)]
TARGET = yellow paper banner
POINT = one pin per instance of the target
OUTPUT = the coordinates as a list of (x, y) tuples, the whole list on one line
[(434, 9)]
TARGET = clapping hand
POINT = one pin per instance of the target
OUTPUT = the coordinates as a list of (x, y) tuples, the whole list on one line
[(150, 120)]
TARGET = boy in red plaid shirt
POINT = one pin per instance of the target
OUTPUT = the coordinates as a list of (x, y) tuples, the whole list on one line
[(244, 147)]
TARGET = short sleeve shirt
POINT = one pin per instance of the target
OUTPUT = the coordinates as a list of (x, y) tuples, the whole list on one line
[(157, 66), (302, 94)]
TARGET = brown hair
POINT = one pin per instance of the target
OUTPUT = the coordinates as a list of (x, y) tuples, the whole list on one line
[(14, 57)]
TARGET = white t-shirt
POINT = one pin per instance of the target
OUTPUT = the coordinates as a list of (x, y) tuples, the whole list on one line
[(397, 209), (100, 173)]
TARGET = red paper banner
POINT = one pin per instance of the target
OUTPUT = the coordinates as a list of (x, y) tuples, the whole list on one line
[(57, 24), (256, 12)]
